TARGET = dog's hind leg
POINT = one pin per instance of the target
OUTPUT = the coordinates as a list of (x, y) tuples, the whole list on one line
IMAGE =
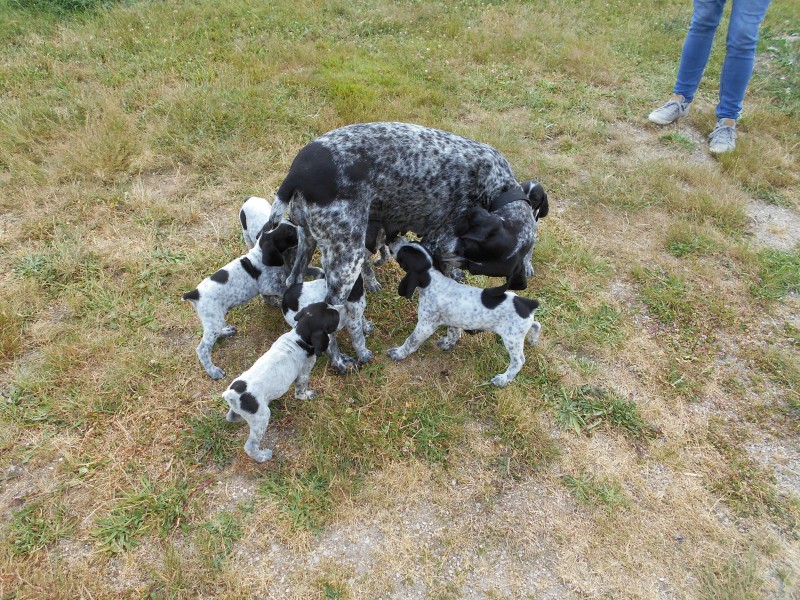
[(258, 425), (516, 354), (204, 353), (448, 341), (532, 337)]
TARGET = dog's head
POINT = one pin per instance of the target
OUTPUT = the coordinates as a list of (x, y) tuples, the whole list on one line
[(537, 198), (275, 242), (316, 322), (495, 243), (415, 261)]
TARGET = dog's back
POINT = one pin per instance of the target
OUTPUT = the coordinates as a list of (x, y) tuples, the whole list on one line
[(253, 214)]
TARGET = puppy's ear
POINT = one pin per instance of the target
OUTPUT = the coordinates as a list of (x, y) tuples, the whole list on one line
[(300, 314), (407, 285), (537, 198), (479, 225), (331, 318), (320, 341)]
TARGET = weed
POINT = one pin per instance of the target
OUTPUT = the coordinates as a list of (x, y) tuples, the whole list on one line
[(218, 536), (303, 497), (150, 507), (587, 407), (210, 437), (675, 138), (590, 490), (778, 274), (736, 578), (39, 525), (689, 239)]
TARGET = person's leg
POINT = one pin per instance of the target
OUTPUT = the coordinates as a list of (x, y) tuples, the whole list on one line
[(746, 17), (697, 46)]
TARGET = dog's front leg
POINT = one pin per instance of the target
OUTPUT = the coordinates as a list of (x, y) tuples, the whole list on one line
[(258, 425), (422, 332), (301, 391), (448, 341)]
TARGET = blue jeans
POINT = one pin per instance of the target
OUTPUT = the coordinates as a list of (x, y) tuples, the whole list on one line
[(740, 54)]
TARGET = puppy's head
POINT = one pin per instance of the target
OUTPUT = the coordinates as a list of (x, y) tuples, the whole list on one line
[(496, 243), (415, 261), (275, 242), (316, 322), (537, 198)]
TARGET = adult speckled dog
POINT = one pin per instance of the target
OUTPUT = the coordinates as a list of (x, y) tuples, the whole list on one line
[(459, 195), (260, 271), (288, 361), (443, 301)]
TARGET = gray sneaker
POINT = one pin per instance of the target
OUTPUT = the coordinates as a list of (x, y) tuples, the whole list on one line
[(723, 138), (669, 112)]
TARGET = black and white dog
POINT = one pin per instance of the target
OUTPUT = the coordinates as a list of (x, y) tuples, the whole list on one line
[(260, 271), (459, 195), (300, 295), (288, 361), (443, 301), (253, 215)]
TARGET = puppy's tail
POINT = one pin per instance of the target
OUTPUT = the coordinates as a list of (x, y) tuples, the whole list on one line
[(231, 396), (192, 296)]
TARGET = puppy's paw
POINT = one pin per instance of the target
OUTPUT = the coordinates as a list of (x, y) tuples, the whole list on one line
[(458, 275), (345, 364), (500, 380), (446, 344), (307, 395), (227, 331), (365, 357), (529, 270), (373, 286), (215, 373), (396, 353), (261, 455)]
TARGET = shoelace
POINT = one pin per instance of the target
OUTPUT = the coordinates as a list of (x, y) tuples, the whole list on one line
[(722, 134)]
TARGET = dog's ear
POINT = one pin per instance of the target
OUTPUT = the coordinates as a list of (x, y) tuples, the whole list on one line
[(319, 341), (300, 314), (479, 225), (407, 285), (331, 317)]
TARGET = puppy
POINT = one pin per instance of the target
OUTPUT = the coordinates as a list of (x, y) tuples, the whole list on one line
[(253, 216), (459, 195), (301, 295), (443, 301), (289, 360), (260, 271)]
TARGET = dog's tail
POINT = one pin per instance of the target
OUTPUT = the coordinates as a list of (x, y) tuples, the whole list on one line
[(231, 396), (192, 296)]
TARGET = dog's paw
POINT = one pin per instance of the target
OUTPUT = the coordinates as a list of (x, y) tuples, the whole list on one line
[(528, 270), (365, 357), (395, 354), (458, 275), (307, 395), (446, 344), (215, 373), (345, 364), (261, 455), (227, 331), (373, 286), (368, 327), (500, 380)]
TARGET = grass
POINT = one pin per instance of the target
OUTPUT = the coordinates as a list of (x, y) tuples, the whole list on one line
[(129, 134)]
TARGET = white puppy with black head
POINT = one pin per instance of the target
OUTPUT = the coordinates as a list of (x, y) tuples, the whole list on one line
[(260, 271), (288, 361), (443, 301)]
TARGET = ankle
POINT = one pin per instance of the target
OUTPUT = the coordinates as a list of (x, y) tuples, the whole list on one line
[(727, 122), (679, 99)]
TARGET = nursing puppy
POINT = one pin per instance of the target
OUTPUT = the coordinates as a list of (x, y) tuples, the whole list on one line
[(301, 295), (460, 196), (260, 271), (443, 301), (288, 361), (253, 215)]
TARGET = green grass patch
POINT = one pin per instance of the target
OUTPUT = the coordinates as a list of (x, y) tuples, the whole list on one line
[(678, 140), (152, 506), (735, 578), (778, 274), (302, 496), (590, 490), (585, 408), (685, 239), (210, 437), (218, 536), (39, 525)]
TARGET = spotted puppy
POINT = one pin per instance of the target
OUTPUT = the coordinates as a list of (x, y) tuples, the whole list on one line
[(301, 295), (443, 301), (253, 216), (260, 271), (288, 361), (459, 195)]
